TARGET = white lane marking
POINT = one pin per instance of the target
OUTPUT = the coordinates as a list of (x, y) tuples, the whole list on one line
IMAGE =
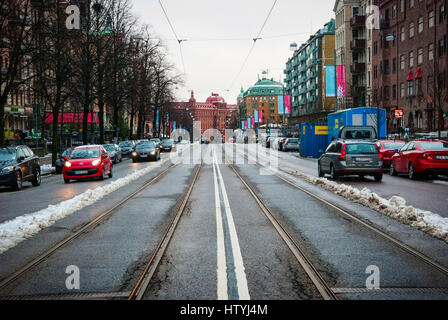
[(243, 290), (221, 250)]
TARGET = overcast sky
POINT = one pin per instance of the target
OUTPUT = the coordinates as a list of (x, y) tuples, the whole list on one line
[(211, 65)]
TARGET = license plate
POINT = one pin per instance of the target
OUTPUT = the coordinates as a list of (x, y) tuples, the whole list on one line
[(81, 172), (144, 155), (442, 157), (362, 159)]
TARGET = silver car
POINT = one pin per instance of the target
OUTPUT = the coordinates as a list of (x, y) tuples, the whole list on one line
[(291, 144), (351, 157)]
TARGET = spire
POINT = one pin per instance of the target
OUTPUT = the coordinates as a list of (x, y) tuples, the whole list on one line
[(192, 99)]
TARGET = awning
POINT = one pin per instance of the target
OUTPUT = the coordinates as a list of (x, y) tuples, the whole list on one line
[(418, 74), (72, 117), (410, 76)]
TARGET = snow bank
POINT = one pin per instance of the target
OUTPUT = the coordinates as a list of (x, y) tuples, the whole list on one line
[(15, 231), (395, 207)]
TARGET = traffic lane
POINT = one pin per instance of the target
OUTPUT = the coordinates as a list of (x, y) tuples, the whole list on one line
[(340, 249), (36, 198), (112, 256), (189, 268), (422, 194)]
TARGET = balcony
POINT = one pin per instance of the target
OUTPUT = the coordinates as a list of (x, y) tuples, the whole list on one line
[(358, 44), (357, 67), (358, 21)]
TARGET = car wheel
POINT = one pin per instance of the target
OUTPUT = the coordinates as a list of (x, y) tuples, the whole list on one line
[(37, 178), (411, 172), (320, 173), (333, 174), (134, 160), (110, 173), (66, 180), (18, 183), (392, 170), (361, 176), (378, 177), (102, 174)]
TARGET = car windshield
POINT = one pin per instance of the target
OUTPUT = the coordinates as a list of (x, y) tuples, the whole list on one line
[(155, 140), (361, 148), (357, 134), (145, 145), (293, 140), (393, 145), (66, 152), (167, 141), (109, 147), (125, 144), (434, 145), (7, 154), (85, 153)]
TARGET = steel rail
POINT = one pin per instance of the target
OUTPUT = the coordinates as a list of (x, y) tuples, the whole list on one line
[(143, 282), (34, 262)]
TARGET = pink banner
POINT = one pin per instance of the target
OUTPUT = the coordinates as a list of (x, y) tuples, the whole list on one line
[(341, 81), (71, 117), (260, 116), (287, 104), (245, 124), (252, 122)]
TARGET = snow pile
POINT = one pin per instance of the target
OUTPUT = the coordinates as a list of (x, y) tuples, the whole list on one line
[(14, 231), (395, 207), (47, 168)]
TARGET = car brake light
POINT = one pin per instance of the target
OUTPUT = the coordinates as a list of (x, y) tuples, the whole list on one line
[(287, 141), (427, 156), (343, 153), (379, 152)]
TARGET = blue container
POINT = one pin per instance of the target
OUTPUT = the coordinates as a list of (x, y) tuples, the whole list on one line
[(363, 116), (313, 139)]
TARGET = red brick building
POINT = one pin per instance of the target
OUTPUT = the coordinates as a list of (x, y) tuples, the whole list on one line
[(410, 63), (214, 113)]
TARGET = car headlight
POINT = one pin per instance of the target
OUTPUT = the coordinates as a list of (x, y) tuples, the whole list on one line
[(153, 152), (134, 154), (96, 162), (68, 164), (7, 169)]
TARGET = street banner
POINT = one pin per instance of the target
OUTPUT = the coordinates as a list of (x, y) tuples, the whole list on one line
[(260, 115), (242, 124), (281, 104), (167, 118), (248, 123), (287, 104), (252, 123), (330, 74), (341, 81), (157, 118), (174, 125), (256, 116), (171, 126), (245, 124)]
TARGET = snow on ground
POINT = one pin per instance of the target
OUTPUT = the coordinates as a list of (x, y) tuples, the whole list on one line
[(395, 207), (47, 169), (14, 231)]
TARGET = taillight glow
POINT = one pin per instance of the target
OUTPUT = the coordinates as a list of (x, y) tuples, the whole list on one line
[(343, 153)]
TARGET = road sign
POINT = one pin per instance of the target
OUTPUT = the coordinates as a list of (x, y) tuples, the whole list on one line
[(398, 113)]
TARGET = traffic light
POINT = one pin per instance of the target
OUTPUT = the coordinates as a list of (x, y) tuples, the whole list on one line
[(268, 130)]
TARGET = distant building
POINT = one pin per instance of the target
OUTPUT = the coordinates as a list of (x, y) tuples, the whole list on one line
[(305, 77), (214, 113)]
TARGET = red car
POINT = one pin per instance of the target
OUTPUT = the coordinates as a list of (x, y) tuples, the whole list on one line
[(428, 157), (87, 162), (386, 149)]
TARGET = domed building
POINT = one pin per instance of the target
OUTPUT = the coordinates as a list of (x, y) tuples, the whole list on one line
[(214, 113)]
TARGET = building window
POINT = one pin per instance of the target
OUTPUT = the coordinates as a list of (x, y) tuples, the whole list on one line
[(441, 13), (402, 89), (386, 93), (394, 43), (411, 30), (411, 3), (420, 24), (386, 66), (394, 11), (431, 51), (394, 92), (442, 46), (394, 65), (375, 47), (411, 59), (410, 88), (420, 56), (402, 62), (418, 86), (431, 18), (402, 5), (403, 35)]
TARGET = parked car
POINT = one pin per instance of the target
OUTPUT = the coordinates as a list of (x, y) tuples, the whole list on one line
[(167, 144), (60, 161), (421, 157), (157, 142), (270, 142), (90, 161), (19, 164), (114, 152), (387, 147), (351, 157), (291, 144), (146, 151), (127, 147)]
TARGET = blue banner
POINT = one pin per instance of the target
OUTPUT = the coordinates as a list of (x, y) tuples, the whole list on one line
[(242, 124), (330, 81), (256, 116), (157, 118), (174, 125), (248, 123), (281, 105)]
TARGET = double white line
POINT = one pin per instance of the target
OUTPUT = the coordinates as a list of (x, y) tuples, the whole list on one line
[(224, 266)]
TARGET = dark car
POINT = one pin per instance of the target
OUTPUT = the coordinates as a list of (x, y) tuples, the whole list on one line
[(127, 147), (19, 164), (146, 151), (114, 152), (157, 142), (60, 161), (351, 157), (167, 144)]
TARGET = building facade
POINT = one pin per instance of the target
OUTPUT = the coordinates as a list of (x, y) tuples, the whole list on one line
[(305, 77), (410, 63)]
